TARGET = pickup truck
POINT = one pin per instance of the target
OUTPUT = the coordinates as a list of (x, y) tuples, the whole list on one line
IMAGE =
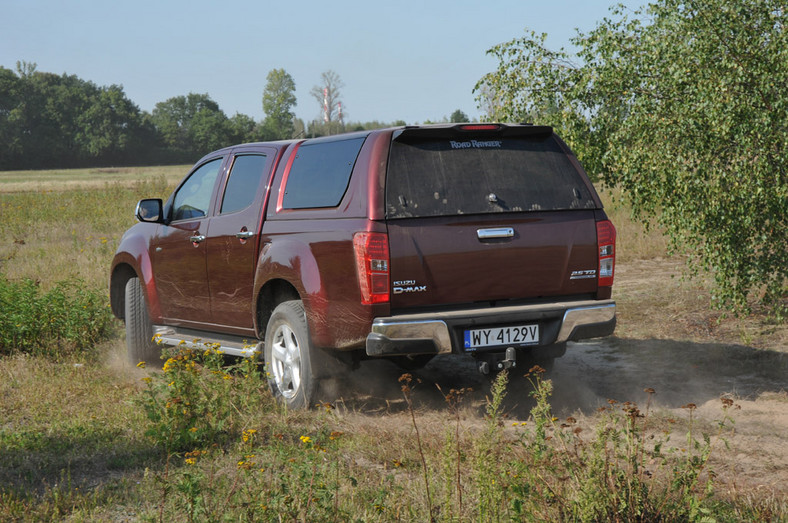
[(400, 243)]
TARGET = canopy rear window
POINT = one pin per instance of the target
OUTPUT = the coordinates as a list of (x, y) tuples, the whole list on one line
[(481, 174)]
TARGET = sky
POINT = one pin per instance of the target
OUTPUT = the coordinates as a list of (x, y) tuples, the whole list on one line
[(411, 60)]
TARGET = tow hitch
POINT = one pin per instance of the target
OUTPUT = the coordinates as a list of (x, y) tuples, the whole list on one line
[(496, 361)]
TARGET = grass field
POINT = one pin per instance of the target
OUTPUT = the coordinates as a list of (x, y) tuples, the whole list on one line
[(87, 437)]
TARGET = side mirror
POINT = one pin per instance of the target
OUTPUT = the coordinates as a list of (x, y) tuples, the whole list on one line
[(150, 210)]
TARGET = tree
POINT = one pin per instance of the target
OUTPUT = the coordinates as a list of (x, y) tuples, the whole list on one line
[(458, 117), (48, 120), (328, 95), (112, 126), (243, 128), (192, 123), (278, 101), (682, 104)]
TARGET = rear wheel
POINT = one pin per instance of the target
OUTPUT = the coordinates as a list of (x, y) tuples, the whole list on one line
[(288, 356), (139, 331)]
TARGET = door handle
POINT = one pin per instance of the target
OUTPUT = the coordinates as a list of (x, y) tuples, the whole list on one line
[(244, 235), (197, 238), (500, 232)]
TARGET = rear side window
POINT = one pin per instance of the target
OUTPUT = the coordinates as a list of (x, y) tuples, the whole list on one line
[(479, 175), (320, 174), (244, 180)]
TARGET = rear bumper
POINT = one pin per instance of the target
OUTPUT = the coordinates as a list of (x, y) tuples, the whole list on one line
[(442, 333)]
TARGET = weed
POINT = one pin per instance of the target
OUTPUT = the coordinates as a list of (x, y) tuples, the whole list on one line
[(406, 380), (452, 449), (194, 401)]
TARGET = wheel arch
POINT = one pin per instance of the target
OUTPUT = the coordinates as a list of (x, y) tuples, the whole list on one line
[(270, 295), (121, 274)]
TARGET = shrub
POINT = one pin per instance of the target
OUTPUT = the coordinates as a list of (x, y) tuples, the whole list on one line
[(65, 319), (195, 401)]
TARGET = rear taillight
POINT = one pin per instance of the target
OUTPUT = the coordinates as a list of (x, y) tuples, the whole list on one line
[(372, 264), (606, 242)]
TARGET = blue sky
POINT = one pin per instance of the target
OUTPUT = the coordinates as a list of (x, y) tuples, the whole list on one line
[(406, 59)]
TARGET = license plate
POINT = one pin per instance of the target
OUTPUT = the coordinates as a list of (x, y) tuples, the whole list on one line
[(516, 335)]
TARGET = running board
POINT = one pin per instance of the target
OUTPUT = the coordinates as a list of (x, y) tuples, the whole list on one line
[(200, 340)]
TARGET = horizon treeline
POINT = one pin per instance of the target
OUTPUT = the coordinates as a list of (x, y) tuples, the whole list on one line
[(62, 121)]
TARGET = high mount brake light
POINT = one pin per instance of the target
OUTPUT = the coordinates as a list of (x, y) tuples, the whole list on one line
[(480, 127), (372, 264), (606, 243)]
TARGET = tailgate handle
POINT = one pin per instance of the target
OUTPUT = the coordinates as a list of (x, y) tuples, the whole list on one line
[(500, 232)]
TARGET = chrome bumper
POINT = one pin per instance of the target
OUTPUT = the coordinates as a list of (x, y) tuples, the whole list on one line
[(431, 332)]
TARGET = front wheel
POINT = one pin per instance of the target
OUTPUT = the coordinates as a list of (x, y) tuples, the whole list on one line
[(139, 331), (288, 356)]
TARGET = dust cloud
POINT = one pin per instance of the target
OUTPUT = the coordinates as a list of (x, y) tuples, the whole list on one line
[(585, 378)]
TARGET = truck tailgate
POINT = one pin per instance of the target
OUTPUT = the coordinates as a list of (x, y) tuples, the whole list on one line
[(438, 261)]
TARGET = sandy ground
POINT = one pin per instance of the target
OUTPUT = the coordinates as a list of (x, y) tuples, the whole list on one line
[(686, 358)]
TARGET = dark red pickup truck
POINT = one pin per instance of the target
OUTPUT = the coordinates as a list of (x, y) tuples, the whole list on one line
[(408, 242)]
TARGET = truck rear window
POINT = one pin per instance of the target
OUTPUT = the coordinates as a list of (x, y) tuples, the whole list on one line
[(479, 175)]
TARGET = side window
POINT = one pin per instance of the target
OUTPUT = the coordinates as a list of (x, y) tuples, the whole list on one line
[(194, 197), (244, 180), (320, 173)]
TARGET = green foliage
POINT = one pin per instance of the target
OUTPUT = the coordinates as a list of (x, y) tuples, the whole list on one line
[(681, 104), (278, 101), (65, 319), (195, 124), (48, 120), (51, 120)]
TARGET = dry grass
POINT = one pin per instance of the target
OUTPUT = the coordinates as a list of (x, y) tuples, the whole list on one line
[(59, 232), (72, 442), (96, 178)]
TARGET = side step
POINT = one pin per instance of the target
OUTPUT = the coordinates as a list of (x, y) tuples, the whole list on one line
[(194, 339)]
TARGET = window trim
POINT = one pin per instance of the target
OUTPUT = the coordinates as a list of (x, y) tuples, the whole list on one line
[(234, 157), (212, 201)]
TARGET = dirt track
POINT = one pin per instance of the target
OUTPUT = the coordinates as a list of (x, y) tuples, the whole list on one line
[(592, 372)]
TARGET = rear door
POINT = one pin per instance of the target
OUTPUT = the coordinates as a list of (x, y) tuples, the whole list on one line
[(487, 215)]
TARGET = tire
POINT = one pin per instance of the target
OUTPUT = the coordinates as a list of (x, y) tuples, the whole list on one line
[(289, 356), (139, 331)]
